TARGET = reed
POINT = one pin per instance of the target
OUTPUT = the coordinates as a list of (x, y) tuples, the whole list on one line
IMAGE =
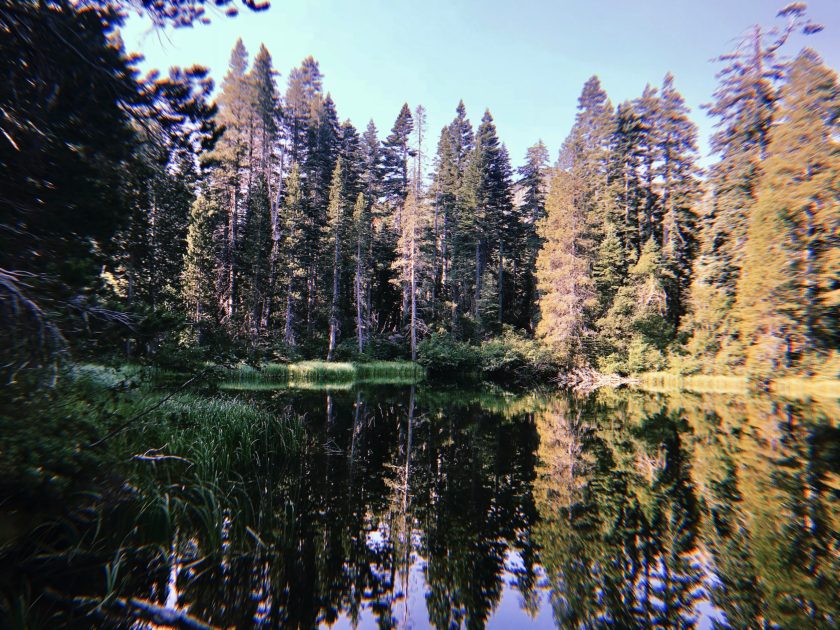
[(323, 374)]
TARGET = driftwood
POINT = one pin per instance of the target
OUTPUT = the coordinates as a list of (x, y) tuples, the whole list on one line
[(586, 380), (140, 610), (147, 611)]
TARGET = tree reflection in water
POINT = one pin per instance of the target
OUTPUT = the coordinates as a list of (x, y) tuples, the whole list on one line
[(424, 507)]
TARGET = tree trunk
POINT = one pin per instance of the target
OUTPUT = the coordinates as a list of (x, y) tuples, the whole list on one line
[(334, 302)]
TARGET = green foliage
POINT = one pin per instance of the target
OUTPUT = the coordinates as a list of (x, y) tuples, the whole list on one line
[(635, 332), (442, 355), (515, 359)]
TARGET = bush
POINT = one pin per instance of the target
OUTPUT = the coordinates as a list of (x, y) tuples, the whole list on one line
[(516, 359), (511, 359), (443, 356)]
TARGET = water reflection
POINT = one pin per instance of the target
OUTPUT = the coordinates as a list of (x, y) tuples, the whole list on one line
[(416, 507)]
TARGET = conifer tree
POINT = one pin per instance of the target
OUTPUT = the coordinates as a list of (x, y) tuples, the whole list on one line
[(293, 223), (454, 148), (267, 105), (302, 102), (410, 261), (396, 172), (787, 292), (610, 267), (337, 232), (566, 287), (649, 218), (361, 259), (744, 106), (202, 262), (533, 183), (231, 155), (396, 154), (586, 156), (680, 190), (626, 192)]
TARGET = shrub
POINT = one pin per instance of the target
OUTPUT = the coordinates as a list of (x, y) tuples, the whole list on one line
[(441, 355)]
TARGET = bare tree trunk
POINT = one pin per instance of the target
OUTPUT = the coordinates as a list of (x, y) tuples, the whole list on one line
[(501, 284), (334, 302), (289, 331), (413, 301), (231, 255), (360, 327), (274, 257)]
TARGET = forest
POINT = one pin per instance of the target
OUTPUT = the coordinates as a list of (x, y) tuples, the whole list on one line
[(157, 219)]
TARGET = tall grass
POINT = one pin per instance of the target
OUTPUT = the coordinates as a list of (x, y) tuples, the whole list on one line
[(308, 374)]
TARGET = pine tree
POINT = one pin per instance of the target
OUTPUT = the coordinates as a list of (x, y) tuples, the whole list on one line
[(293, 228), (336, 233), (566, 287), (787, 292), (533, 184), (268, 115), (267, 107), (647, 108), (680, 191), (744, 106), (586, 155), (302, 102), (626, 192), (452, 254), (231, 155), (486, 223), (410, 261), (396, 154), (610, 267), (361, 259), (202, 262)]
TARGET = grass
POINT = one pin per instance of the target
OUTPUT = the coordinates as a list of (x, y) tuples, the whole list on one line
[(323, 374), (788, 387)]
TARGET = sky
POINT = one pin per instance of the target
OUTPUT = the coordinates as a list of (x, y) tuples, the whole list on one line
[(525, 61)]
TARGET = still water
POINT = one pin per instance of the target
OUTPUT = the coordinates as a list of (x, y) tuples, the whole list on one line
[(420, 507)]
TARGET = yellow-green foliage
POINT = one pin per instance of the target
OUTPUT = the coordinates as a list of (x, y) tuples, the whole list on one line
[(318, 373)]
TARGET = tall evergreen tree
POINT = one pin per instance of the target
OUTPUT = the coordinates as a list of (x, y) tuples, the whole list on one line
[(533, 184), (336, 233), (231, 157), (566, 287), (627, 195), (787, 294), (361, 278), (202, 263), (680, 191), (302, 102), (293, 228)]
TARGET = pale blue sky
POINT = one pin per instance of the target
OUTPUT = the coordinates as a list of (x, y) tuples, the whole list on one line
[(525, 60)]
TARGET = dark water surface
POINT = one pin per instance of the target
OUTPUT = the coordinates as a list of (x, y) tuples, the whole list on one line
[(418, 507)]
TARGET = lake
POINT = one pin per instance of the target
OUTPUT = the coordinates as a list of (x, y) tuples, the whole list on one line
[(426, 506)]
